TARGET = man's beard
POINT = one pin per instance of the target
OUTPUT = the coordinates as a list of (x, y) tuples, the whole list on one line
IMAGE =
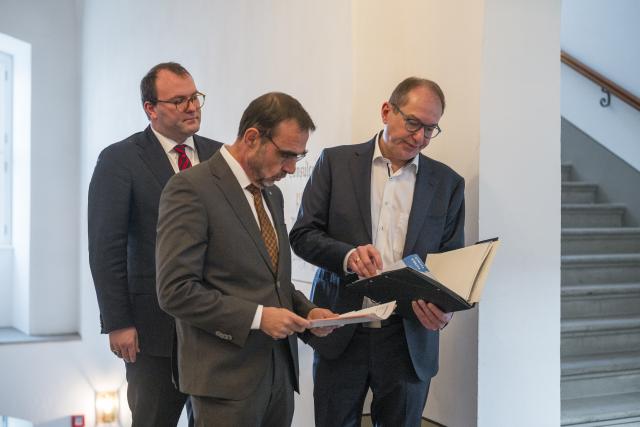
[(270, 181)]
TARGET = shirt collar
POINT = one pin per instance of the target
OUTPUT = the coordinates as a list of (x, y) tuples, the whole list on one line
[(168, 144), (378, 157), (236, 168)]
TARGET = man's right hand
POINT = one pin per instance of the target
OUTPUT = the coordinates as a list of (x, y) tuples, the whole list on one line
[(279, 323), (124, 343), (365, 261)]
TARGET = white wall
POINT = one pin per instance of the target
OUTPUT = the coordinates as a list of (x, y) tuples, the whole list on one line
[(604, 36), (519, 317), (441, 41)]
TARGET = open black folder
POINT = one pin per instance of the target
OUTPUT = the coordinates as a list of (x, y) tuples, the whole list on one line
[(454, 280)]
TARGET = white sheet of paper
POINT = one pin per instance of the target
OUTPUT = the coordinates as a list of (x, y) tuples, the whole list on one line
[(378, 312)]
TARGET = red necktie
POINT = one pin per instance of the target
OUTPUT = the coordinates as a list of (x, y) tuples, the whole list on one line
[(183, 160)]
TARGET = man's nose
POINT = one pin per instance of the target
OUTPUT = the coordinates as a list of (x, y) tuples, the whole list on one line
[(419, 135), (191, 105), (289, 166)]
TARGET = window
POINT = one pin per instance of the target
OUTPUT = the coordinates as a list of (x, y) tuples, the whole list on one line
[(15, 183), (6, 86)]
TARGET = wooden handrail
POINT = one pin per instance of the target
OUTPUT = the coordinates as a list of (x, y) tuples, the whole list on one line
[(600, 80)]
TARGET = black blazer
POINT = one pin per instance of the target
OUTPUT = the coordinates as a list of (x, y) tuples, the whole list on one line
[(335, 217), (122, 216)]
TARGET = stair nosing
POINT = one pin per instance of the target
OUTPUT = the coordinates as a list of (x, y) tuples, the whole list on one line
[(599, 324), (600, 258), (596, 363), (579, 231), (602, 414), (585, 289), (594, 206)]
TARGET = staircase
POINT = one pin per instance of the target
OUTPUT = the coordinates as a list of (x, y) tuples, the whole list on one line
[(600, 346)]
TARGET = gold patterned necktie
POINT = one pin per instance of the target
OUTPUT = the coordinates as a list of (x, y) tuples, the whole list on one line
[(268, 233)]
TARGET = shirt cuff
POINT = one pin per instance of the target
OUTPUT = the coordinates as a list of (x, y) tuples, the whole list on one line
[(257, 318), (345, 268)]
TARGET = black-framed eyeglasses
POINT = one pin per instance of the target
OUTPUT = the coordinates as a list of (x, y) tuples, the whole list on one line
[(413, 125), (182, 104), (285, 154)]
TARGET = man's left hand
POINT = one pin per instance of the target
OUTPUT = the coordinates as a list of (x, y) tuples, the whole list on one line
[(321, 313), (430, 315)]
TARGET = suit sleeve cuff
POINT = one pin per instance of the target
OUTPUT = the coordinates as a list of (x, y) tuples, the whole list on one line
[(345, 267), (257, 318)]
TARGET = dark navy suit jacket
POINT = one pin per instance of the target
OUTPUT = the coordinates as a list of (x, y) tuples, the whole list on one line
[(122, 217), (335, 217)]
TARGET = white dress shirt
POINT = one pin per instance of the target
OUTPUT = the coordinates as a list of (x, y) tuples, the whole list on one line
[(244, 182), (391, 201), (168, 145)]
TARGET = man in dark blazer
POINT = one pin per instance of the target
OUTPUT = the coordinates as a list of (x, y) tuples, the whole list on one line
[(224, 272), (365, 207), (123, 209)]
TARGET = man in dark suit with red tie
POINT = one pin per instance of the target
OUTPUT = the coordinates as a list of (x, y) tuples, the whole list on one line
[(123, 210)]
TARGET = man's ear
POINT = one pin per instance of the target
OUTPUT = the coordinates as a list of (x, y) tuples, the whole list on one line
[(251, 137), (150, 110), (384, 111)]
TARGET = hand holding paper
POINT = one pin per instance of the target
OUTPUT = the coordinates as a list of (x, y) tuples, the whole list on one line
[(319, 314), (378, 312)]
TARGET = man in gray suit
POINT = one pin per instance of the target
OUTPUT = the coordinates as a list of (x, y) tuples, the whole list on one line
[(123, 211), (224, 272), (366, 206)]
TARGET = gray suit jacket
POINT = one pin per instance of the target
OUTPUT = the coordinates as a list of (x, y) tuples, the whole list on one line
[(123, 209), (335, 217), (213, 270)]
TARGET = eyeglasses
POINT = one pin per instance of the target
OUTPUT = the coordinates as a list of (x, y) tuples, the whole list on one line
[(414, 125), (182, 104), (284, 154)]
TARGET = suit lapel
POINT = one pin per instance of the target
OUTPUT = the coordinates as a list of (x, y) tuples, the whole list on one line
[(229, 186), (360, 167), (205, 151), (426, 181), (152, 154)]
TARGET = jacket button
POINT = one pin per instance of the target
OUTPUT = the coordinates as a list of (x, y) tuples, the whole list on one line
[(278, 283)]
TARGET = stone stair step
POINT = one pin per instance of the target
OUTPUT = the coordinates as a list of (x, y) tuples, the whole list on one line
[(598, 324), (599, 335), (567, 171), (601, 363), (576, 241), (596, 411), (608, 268), (599, 375), (580, 215), (579, 192), (600, 299)]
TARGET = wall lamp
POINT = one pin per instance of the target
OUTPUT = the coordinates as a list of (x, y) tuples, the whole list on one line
[(107, 408)]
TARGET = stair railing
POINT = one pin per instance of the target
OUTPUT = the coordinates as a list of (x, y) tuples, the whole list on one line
[(608, 87)]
